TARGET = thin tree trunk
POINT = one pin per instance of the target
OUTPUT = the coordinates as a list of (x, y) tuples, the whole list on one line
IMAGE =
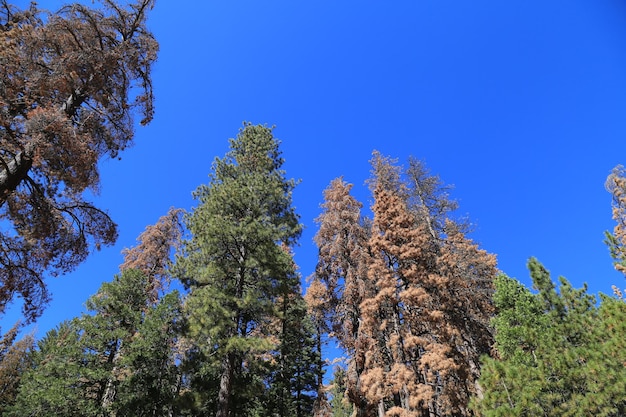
[(381, 409), (110, 390)]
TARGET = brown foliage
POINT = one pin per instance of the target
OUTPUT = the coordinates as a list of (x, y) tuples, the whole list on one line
[(66, 82), (410, 295), (14, 361), (152, 254), (340, 283)]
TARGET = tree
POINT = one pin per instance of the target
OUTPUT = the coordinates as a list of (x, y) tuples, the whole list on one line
[(70, 83), (293, 383), (53, 386), (412, 290), (116, 362), (340, 405), (559, 354), (152, 255), (14, 361), (235, 265), (616, 241), (339, 284), (152, 381)]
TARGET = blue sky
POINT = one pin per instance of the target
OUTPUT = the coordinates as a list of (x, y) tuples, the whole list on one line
[(520, 104)]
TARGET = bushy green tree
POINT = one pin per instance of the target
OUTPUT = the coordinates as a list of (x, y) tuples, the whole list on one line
[(58, 383), (340, 404), (559, 353), (115, 362), (236, 268)]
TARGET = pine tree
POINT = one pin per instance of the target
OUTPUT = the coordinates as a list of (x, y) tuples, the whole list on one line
[(114, 362), (293, 382), (341, 407), (340, 283), (151, 385), (616, 241), (58, 382), (151, 255), (234, 264), (71, 82), (15, 359), (559, 354), (409, 293)]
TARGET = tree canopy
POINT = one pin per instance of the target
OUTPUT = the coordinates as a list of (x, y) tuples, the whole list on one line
[(70, 84)]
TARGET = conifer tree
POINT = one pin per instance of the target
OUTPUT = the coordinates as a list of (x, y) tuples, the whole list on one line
[(616, 241), (152, 256), (115, 362), (340, 283), (420, 318), (15, 359), (430, 314), (54, 386), (559, 354), (293, 381), (235, 267), (70, 84), (341, 407)]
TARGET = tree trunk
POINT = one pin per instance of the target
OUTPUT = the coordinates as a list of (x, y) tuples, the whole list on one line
[(110, 390), (226, 384)]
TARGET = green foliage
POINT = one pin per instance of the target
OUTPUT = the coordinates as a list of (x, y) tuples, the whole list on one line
[(57, 384), (560, 354), (339, 402), (237, 266), (151, 388), (117, 361), (293, 382)]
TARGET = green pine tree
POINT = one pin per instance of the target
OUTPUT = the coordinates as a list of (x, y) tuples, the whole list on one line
[(560, 354), (56, 384), (235, 268), (340, 405), (117, 361), (151, 386)]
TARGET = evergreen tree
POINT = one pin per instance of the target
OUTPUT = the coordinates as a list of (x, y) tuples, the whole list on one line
[(340, 283), (560, 354), (293, 383), (71, 82), (341, 407), (409, 292), (115, 362), (235, 267), (58, 382), (152, 385), (151, 255), (616, 241)]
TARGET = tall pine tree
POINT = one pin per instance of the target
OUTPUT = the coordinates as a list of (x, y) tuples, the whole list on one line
[(236, 268), (409, 294)]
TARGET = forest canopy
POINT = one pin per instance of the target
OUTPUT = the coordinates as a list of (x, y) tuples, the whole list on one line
[(403, 314)]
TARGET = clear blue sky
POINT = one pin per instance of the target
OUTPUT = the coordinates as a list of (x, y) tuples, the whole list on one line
[(521, 104)]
